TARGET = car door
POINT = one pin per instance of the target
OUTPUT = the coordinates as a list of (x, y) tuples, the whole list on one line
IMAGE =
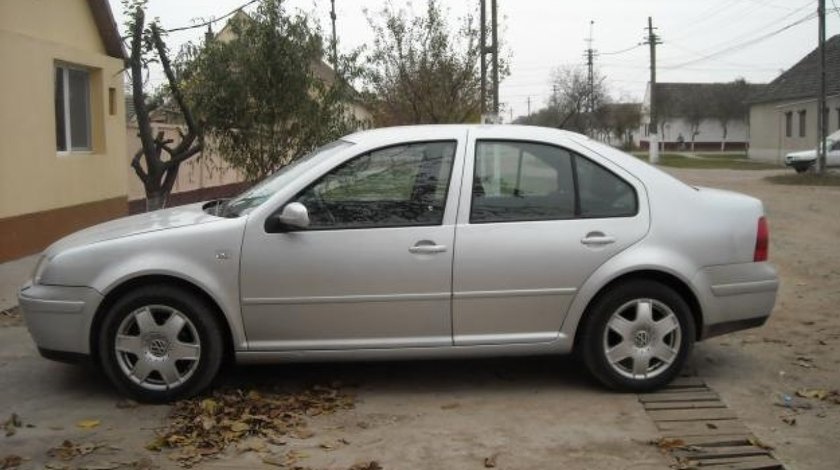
[(535, 222), (374, 267)]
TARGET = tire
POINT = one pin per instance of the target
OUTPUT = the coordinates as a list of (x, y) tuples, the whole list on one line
[(615, 351), (171, 344), (801, 168)]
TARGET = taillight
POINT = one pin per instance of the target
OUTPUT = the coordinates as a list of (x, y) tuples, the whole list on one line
[(762, 240)]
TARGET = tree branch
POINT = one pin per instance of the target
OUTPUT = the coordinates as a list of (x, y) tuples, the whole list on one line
[(192, 127)]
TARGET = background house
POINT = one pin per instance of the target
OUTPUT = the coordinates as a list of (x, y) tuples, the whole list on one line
[(694, 110), (62, 121), (783, 115)]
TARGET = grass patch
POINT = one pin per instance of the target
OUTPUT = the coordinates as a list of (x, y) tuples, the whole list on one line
[(806, 179), (724, 156), (722, 163)]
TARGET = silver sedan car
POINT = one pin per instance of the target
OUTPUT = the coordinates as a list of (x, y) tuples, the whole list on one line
[(413, 242)]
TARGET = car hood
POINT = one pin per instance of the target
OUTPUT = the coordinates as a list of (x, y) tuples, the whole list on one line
[(802, 155), (164, 219)]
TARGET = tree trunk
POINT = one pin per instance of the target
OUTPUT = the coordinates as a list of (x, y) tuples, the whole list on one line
[(723, 141), (155, 202)]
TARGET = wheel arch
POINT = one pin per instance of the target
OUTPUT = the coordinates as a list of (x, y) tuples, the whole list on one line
[(680, 286), (128, 285)]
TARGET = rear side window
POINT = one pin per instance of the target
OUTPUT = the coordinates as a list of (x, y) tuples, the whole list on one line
[(601, 193), (521, 181), (526, 181)]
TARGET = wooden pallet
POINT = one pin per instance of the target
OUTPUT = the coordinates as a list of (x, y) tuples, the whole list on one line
[(700, 431)]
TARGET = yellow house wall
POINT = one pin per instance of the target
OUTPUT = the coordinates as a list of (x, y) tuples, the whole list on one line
[(34, 177)]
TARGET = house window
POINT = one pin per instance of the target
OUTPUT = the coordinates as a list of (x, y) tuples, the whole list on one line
[(802, 123), (788, 124), (72, 108)]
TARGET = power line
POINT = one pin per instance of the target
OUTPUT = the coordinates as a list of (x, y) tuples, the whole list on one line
[(209, 22), (622, 51), (744, 44)]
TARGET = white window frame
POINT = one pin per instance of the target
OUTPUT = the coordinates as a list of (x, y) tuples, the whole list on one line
[(65, 72)]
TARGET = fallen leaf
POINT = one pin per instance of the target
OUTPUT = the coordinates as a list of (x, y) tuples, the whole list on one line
[(817, 393), (88, 423), (490, 462), (126, 404), (756, 442), (789, 420), (10, 461), (101, 466), (302, 434), (372, 465), (68, 450), (450, 406), (667, 444), (56, 466), (252, 445), (239, 426), (711, 425), (11, 424)]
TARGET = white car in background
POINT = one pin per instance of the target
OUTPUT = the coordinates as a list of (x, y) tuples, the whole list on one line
[(803, 160)]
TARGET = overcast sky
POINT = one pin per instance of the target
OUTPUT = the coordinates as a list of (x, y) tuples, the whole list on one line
[(541, 35)]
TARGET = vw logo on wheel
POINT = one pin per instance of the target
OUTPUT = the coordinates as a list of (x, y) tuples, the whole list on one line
[(642, 338)]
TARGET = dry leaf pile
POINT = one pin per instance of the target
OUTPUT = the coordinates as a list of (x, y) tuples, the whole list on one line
[(203, 427), (68, 450), (10, 461)]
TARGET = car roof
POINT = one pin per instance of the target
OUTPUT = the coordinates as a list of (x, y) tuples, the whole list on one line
[(483, 130)]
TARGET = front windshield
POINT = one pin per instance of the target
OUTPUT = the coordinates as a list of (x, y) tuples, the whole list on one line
[(262, 191)]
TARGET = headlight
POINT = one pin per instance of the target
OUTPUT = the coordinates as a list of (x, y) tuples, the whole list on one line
[(39, 269)]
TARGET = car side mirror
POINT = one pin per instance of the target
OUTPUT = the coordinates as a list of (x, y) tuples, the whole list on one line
[(294, 216)]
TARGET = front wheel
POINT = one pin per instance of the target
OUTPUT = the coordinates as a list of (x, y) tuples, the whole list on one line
[(801, 168), (160, 343), (637, 336)]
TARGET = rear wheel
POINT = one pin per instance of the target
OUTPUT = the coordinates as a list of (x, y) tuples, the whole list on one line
[(160, 343), (637, 336), (801, 168)]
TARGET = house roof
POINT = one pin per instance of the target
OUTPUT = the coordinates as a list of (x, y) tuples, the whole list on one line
[(801, 81), (675, 99), (107, 27)]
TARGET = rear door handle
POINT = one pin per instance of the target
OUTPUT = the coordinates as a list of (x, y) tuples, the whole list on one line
[(597, 239), (427, 248)]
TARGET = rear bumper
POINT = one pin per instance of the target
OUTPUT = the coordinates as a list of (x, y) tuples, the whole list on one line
[(59, 318), (736, 297)]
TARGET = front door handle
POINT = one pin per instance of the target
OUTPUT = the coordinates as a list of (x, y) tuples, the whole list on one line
[(427, 247), (597, 239)]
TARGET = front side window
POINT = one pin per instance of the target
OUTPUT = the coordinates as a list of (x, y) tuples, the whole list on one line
[(524, 181), (398, 186), (72, 109)]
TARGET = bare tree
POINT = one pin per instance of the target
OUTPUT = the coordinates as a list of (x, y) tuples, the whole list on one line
[(730, 105), (157, 171), (422, 70)]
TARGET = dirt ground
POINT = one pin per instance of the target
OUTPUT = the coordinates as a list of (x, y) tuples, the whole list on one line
[(522, 413)]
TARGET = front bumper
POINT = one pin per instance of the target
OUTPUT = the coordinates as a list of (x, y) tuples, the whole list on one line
[(59, 317), (794, 161)]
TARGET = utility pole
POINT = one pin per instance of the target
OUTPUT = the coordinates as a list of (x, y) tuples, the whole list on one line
[(493, 51), (821, 124), (529, 107), (334, 38), (495, 46), (652, 40), (590, 76), (483, 49)]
